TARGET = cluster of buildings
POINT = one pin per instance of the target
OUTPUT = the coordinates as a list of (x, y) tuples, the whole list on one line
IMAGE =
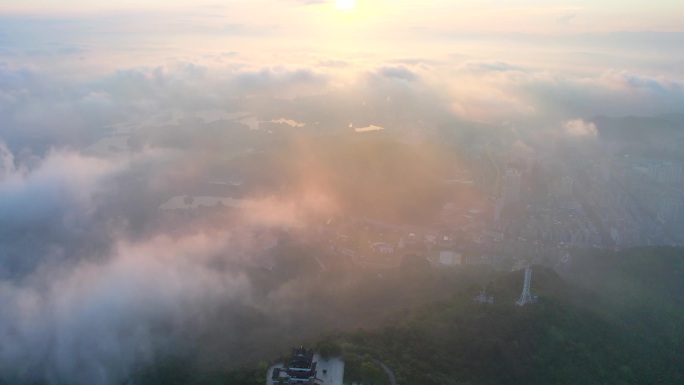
[(638, 201), (380, 246), (587, 199), (529, 205)]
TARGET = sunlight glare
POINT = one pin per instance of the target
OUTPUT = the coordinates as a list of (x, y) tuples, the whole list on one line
[(345, 5)]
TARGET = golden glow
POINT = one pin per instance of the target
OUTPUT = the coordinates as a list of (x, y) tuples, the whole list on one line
[(345, 5)]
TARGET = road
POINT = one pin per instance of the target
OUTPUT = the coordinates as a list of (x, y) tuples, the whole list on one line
[(390, 374)]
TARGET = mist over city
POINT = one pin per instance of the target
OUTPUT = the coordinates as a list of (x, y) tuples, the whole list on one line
[(404, 192)]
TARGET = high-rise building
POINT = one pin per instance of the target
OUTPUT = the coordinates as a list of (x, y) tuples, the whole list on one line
[(665, 172), (498, 206), (512, 186)]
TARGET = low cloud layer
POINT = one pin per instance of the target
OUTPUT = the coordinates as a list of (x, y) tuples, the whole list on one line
[(48, 205), (42, 109), (97, 315), (97, 322), (579, 128)]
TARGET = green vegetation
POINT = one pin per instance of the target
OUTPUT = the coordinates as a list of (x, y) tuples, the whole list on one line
[(328, 349), (616, 320), (178, 372), (609, 318), (364, 370)]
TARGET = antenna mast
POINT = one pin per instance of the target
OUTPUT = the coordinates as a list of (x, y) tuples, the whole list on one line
[(525, 296)]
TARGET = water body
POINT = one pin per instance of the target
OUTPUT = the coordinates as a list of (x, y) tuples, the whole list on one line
[(289, 122), (369, 128)]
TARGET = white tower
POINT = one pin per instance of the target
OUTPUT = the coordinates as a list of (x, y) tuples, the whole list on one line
[(525, 296)]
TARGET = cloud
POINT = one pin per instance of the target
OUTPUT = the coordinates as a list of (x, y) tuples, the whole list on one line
[(277, 81), (86, 302), (400, 73), (7, 166), (502, 92), (68, 317), (46, 205), (579, 128), (333, 63), (489, 66), (40, 109), (98, 322), (566, 19), (90, 301), (629, 80)]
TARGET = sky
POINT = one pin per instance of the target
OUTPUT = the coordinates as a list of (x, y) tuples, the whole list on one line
[(317, 26), (508, 52), (86, 291)]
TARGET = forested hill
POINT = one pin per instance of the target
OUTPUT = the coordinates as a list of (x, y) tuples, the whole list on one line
[(604, 318), (615, 319)]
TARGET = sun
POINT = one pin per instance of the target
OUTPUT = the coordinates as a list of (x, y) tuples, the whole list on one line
[(345, 5)]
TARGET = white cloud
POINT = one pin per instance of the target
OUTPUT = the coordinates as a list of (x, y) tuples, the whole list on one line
[(580, 128), (98, 322)]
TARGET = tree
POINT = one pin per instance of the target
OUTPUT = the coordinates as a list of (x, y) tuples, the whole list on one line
[(371, 373), (329, 349)]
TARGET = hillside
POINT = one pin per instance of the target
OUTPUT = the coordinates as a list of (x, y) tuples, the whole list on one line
[(609, 318), (616, 320)]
